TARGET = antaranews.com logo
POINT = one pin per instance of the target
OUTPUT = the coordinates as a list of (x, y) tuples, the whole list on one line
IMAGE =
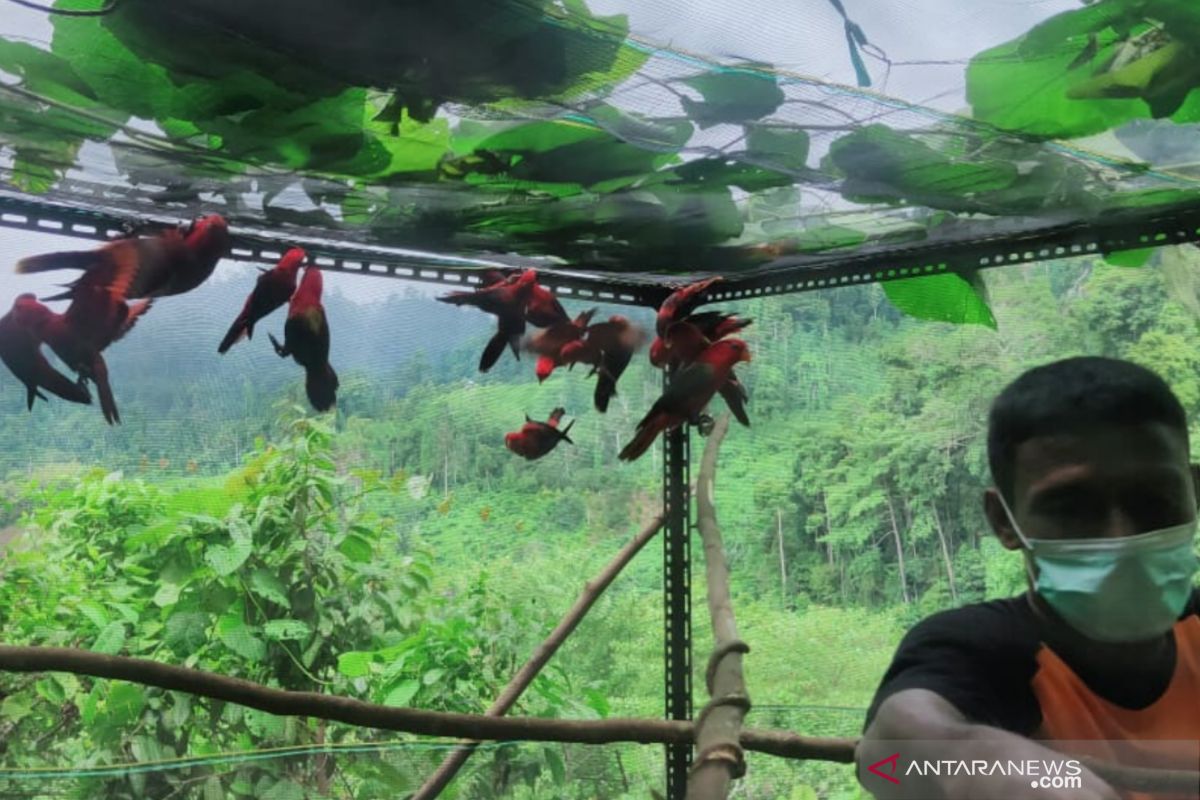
[(1066, 773)]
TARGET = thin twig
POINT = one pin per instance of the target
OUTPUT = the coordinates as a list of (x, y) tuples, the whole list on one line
[(592, 590)]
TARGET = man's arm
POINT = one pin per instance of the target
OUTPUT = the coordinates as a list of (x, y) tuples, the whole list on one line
[(939, 731)]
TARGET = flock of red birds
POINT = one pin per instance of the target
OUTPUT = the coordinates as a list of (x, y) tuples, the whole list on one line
[(695, 345), (122, 279)]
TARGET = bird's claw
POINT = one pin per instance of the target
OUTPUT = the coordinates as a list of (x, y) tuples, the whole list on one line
[(704, 423), (279, 349)]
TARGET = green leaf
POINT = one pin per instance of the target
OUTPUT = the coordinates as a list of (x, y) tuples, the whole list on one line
[(357, 549), (781, 149), (944, 297), (1024, 85), (883, 165), (213, 790), (284, 790), (239, 637), (267, 585), (186, 631), (263, 725), (732, 96), (402, 693), (94, 612), (555, 762), (433, 676), (227, 559), (1130, 258), (15, 707), (124, 703), (111, 639), (355, 664), (281, 630), (167, 594)]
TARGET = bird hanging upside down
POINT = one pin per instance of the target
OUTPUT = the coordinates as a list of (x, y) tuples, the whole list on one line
[(608, 347), (688, 393), (273, 289), (506, 300), (169, 263), (94, 320), (21, 352), (306, 339), (536, 439), (549, 343)]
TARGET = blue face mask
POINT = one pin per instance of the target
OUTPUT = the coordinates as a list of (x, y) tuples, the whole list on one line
[(1122, 589)]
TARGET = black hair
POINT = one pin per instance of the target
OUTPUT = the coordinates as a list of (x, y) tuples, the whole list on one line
[(1071, 395)]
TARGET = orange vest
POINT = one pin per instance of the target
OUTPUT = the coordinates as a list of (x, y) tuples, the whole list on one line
[(1072, 712)]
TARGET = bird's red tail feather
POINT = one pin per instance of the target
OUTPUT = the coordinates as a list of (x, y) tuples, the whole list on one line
[(647, 433)]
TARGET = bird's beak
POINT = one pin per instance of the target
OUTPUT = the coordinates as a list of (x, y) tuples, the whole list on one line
[(746, 357)]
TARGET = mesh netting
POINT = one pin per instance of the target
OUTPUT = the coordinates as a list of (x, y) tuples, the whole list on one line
[(665, 139)]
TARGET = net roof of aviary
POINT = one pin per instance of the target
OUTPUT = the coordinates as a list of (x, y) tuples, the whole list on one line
[(643, 142)]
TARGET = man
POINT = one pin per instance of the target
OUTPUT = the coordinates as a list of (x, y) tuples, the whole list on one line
[(1093, 486)]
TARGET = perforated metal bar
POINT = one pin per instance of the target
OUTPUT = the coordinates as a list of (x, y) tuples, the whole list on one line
[(1112, 233), (63, 220), (677, 600)]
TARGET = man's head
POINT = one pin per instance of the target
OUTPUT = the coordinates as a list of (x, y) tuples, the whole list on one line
[(1088, 448)]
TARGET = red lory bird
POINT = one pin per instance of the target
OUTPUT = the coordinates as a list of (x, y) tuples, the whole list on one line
[(94, 320), (673, 349), (608, 347), (548, 344), (688, 394), (169, 263), (505, 300), (306, 339), (683, 344), (542, 309), (681, 303), (272, 290), (536, 439), (21, 352)]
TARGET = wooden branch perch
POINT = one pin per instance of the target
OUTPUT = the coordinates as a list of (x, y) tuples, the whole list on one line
[(471, 726), (721, 759), (409, 720), (592, 590)]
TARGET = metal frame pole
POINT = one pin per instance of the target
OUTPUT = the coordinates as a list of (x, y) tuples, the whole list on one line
[(677, 601)]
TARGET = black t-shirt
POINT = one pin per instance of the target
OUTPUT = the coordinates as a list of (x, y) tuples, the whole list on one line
[(982, 657)]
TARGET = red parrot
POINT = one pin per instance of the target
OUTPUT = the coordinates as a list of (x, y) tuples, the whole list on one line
[(688, 394), (273, 288), (507, 301), (669, 348), (608, 347), (681, 303), (543, 309), (172, 262), (21, 352), (683, 344), (94, 320), (536, 439), (548, 344), (306, 339)]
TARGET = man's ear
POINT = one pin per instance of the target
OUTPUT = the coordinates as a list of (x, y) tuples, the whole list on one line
[(993, 509)]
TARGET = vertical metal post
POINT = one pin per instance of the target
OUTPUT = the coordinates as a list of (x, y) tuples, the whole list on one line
[(677, 601)]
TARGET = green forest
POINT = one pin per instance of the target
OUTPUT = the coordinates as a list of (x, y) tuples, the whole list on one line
[(394, 551)]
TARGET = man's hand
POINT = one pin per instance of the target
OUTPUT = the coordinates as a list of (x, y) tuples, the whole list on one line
[(923, 726)]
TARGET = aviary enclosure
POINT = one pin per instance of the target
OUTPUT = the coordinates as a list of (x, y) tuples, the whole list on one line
[(318, 563)]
